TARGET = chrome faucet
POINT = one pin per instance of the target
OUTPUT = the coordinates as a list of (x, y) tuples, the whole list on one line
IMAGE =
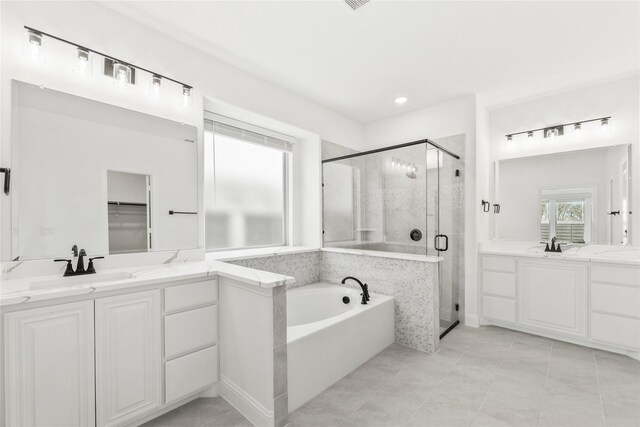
[(363, 286), (80, 266)]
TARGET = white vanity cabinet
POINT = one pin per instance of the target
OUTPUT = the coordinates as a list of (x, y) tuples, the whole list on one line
[(615, 305), (115, 360), (49, 366), (191, 338), (552, 295), (128, 357), (585, 302)]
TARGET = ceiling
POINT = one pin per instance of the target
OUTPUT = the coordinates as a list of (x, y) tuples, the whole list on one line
[(357, 62)]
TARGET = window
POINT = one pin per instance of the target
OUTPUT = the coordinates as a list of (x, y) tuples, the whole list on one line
[(246, 187), (566, 215)]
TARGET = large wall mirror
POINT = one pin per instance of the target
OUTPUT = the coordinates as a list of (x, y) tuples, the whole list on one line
[(99, 176), (579, 197)]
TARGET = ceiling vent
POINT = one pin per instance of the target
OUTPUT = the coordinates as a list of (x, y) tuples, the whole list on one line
[(356, 4)]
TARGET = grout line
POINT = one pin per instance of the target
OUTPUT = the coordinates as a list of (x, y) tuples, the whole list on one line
[(546, 380), (372, 394), (439, 383), (595, 365), (494, 379)]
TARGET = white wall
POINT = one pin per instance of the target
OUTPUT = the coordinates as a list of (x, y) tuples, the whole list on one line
[(449, 118), (617, 98), (104, 30)]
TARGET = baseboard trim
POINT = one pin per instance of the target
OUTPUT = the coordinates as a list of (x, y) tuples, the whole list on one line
[(253, 410), (213, 391), (471, 320)]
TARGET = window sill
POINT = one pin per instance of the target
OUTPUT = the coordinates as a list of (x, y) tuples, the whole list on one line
[(257, 253)]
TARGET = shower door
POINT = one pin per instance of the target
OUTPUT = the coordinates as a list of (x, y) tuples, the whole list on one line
[(448, 235)]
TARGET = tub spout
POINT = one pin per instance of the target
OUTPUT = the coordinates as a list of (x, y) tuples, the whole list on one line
[(365, 291)]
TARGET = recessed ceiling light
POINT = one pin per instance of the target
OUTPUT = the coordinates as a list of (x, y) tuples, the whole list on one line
[(401, 100)]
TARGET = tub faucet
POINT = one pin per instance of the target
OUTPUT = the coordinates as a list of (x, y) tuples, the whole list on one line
[(363, 286)]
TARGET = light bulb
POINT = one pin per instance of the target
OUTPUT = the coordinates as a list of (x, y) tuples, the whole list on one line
[(35, 43), (186, 94), (577, 129), (122, 73), (530, 135), (604, 124), (509, 138), (83, 60), (400, 100)]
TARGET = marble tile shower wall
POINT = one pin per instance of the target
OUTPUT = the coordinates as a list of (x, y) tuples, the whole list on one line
[(305, 266)]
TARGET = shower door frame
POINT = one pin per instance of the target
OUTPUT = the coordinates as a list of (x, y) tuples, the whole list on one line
[(428, 142)]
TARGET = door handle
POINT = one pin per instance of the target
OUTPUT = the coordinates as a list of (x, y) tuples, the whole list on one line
[(436, 240)]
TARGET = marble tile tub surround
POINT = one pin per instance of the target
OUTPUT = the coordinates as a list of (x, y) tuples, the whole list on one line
[(304, 266), (412, 283), (602, 253), (410, 279)]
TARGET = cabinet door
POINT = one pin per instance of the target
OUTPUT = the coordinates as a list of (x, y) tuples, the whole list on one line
[(49, 366), (553, 296), (128, 357)]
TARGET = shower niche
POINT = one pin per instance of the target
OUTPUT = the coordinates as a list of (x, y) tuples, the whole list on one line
[(406, 199)]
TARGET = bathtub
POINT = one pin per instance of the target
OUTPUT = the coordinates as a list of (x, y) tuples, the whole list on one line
[(327, 339)]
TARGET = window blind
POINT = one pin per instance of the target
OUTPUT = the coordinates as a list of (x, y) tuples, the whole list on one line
[(249, 133)]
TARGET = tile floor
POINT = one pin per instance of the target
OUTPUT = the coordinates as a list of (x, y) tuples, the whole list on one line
[(479, 377)]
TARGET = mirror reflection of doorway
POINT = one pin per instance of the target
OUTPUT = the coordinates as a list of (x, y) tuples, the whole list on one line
[(128, 212)]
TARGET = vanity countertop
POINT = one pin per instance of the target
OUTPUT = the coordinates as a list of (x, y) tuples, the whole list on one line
[(587, 253), (17, 291)]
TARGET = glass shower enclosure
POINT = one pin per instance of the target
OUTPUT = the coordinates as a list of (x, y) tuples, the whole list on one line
[(402, 199)]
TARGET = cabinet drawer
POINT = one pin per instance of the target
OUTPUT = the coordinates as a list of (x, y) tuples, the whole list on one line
[(507, 265), (191, 373), (616, 274), (190, 330), (615, 330), (499, 308), (191, 295), (614, 299), (501, 284)]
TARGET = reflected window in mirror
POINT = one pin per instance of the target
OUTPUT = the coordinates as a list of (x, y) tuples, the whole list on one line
[(566, 215)]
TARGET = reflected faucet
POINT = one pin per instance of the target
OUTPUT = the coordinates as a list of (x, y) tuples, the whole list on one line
[(363, 286)]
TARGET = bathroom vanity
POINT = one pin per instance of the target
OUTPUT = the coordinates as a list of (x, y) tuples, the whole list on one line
[(588, 295), (119, 352)]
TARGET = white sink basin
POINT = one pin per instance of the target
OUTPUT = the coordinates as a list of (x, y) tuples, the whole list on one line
[(87, 279)]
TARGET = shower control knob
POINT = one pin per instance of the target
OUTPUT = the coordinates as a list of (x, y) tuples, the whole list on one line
[(415, 235)]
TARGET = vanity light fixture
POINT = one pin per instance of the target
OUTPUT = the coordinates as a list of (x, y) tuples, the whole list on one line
[(34, 43), (83, 55), (35, 38), (558, 130), (123, 71)]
